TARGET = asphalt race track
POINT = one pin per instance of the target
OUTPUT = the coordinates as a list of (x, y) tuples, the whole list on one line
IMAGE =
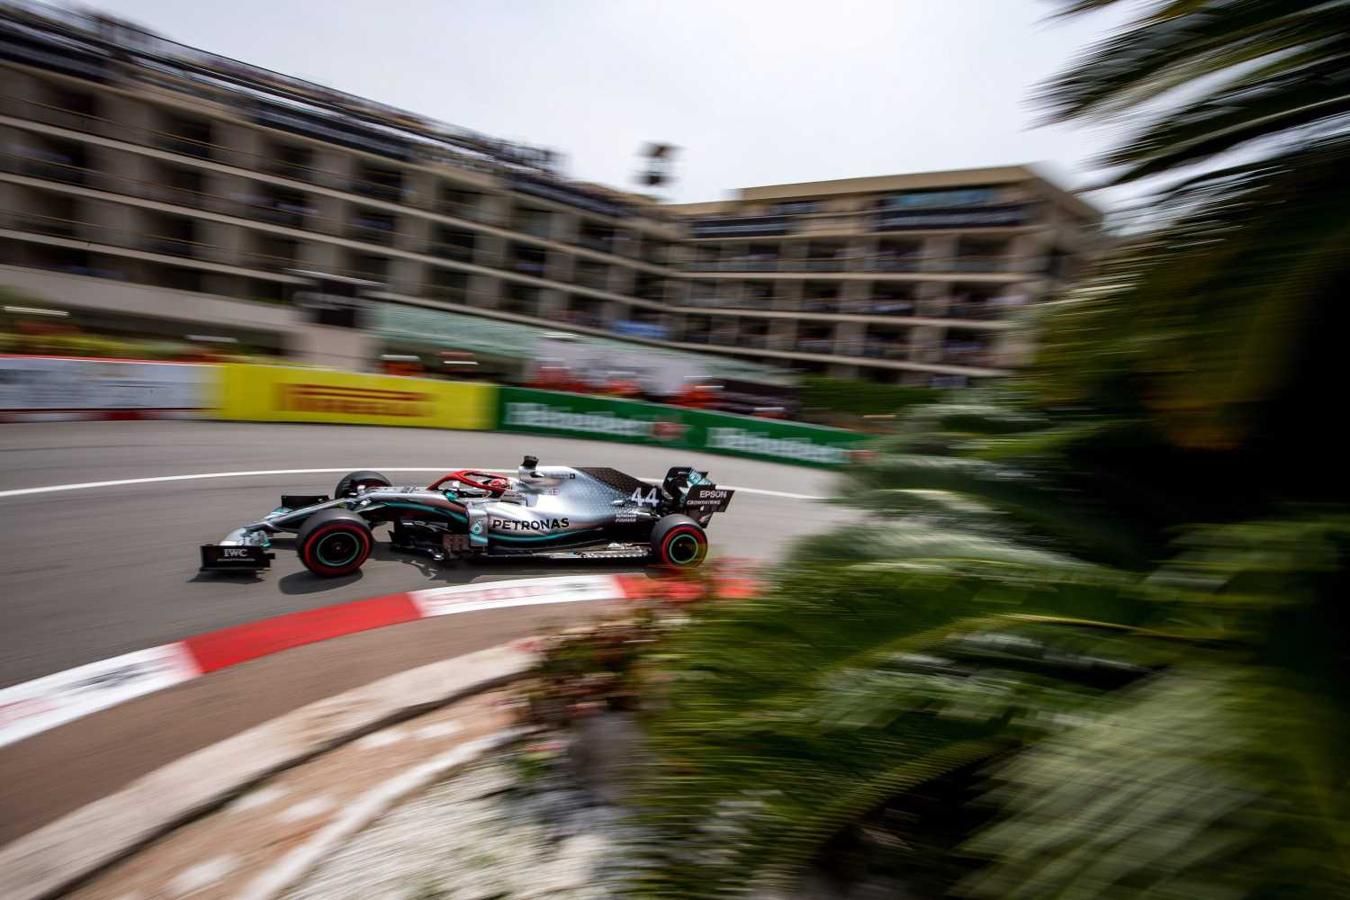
[(97, 571)]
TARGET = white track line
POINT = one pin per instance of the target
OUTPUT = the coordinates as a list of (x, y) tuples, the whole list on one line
[(201, 476)]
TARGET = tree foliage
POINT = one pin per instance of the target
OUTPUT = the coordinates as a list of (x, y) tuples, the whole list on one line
[(1100, 610)]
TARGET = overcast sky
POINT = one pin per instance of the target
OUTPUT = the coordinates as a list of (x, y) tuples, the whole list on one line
[(753, 92)]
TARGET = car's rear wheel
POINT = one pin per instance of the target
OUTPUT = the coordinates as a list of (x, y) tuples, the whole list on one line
[(354, 482), (679, 542), (334, 542)]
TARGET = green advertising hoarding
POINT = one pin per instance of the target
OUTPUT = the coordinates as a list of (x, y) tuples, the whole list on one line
[(600, 418)]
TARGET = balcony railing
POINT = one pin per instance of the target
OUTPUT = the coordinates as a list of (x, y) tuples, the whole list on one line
[(380, 190), (532, 227), (53, 169), (460, 210), (170, 245), (528, 266), (178, 195), (56, 226), (186, 146), (268, 261), (883, 350), (734, 265), (820, 305), (448, 293), (371, 233), (981, 217), (819, 264), (974, 309), (278, 213), (894, 263), (979, 264), (739, 226), (882, 307), (597, 280), (458, 252), (596, 243)]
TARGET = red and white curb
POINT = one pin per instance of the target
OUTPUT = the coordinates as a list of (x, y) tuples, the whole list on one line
[(53, 700)]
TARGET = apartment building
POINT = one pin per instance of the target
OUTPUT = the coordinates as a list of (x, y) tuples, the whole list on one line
[(143, 178)]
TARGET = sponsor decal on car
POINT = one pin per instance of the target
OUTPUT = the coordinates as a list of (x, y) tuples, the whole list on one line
[(709, 498), (529, 524)]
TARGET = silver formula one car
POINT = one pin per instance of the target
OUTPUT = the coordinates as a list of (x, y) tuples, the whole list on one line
[(556, 512)]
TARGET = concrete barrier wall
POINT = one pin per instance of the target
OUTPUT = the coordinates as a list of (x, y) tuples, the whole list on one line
[(577, 415), (260, 393), (49, 384), (283, 394)]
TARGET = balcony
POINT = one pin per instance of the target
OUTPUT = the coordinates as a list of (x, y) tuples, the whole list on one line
[(976, 309), (836, 222), (462, 210), (52, 165), (821, 304), (739, 226), (815, 345), (447, 250), (528, 261), (56, 226), (372, 228), (819, 264), (179, 195), (886, 263), (534, 227), (887, 307), (279, 211), (296, 171), (185, 136), (270, 261), (966, 353), (875, 349), (380, 190), (978, 264), (740, 264), (598, 243), (170, 245), (596, 278), (1008, 216), (450, 293)]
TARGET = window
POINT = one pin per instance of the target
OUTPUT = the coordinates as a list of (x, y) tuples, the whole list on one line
[(796, 208), (935, 199)]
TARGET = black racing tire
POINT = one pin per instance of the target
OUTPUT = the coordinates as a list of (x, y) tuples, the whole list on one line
[(334, 542), (353, 481), (679, 542)]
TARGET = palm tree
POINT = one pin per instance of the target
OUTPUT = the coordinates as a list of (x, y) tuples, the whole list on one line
[(1226, 310), (1100, 611)]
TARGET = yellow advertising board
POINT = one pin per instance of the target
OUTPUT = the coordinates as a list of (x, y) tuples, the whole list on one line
[(284, 394)]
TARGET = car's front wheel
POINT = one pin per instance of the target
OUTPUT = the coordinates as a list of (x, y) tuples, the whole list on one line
[(334, 542), (679, 542)]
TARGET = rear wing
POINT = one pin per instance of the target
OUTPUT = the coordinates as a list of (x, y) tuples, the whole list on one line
[(690, 491)]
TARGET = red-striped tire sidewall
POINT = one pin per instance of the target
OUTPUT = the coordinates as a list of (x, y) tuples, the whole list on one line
[(312, 563), (676, 532)]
